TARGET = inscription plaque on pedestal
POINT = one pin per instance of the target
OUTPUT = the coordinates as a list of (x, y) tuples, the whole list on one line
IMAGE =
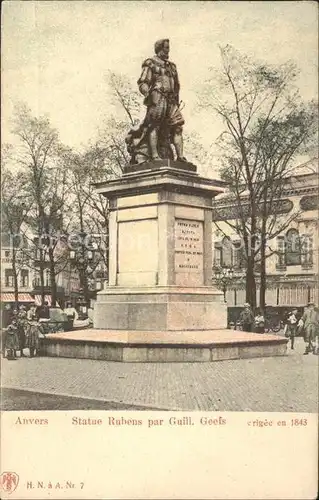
[(189, 244)]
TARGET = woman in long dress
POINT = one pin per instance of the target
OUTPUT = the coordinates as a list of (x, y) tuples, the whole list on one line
[(22, 326), (32, 332)]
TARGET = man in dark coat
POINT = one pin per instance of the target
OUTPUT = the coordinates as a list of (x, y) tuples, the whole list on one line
[(310, 324), (44, 311), (246, 318)]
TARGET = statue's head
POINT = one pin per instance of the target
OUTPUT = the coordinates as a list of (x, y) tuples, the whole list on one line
[(162, 48)]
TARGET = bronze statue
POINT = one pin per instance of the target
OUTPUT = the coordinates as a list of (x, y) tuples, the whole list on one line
[(161, 128)]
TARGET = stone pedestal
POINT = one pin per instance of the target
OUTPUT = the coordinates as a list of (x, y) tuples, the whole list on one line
[(160, 254)]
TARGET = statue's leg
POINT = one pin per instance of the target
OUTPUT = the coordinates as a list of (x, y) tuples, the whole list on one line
[(178, 143), (155, 115), (153, 142)]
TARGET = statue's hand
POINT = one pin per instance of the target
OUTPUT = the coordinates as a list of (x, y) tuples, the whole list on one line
[(144, 89)]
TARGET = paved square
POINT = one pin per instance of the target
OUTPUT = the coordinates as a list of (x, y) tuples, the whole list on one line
[(288, 383)]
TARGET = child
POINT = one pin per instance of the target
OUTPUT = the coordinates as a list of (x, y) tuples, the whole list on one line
[(11, 340), (292, 322)]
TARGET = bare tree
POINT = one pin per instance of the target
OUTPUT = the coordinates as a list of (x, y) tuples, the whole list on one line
[(103, 159), (39, 155), (109, 150), (15, 205), (88, 216), (266, 126)]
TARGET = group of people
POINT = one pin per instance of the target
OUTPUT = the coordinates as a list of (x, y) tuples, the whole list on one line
[(26, 327), (306, 325), (22, 332), (251, 322)]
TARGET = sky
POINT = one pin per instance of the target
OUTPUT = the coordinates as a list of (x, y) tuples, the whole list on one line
[(56, 54)]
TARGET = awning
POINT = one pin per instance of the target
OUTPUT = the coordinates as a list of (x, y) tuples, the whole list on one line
[(23, 297), (38, 299)]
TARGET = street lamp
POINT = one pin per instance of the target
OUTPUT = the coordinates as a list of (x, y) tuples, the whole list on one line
[(224, 277), (81, 257)]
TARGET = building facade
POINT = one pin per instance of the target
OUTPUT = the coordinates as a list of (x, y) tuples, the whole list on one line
[(68, 283), (28, 274), (292, 265), (25, 273)]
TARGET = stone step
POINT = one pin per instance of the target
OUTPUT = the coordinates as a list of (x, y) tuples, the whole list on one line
[(152, 347)]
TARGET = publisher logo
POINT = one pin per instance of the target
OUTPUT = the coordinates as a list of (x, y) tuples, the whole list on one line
[(9, 481)]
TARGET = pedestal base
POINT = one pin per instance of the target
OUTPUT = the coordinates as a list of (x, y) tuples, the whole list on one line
[(155, 347), (160, 309)]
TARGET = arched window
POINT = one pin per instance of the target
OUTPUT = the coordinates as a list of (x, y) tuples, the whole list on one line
[(229, 253), (239, 256), (223, 254), (292, 248)]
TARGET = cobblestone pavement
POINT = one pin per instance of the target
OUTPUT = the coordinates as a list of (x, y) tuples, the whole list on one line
[(287, 383), (19, 400)]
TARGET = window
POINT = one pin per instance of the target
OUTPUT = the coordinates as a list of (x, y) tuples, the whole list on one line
[(292, 248), (9, 278), (37, 254), (226, 254), (24, 278), (306, 244), (239, 256), (46, 276), (47, 280), (281, 252), (7, 253), (217, 255), (37, 281)]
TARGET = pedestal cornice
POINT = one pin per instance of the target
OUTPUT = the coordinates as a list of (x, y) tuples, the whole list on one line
[(163, 177)]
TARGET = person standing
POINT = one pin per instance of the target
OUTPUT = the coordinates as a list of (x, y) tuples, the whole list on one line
[(292, 322), (71, 315), (6, 316), (32, 333), (259, 322), (246, 318), (310, 323), (11, 340), (22, 324), (44, 311)]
